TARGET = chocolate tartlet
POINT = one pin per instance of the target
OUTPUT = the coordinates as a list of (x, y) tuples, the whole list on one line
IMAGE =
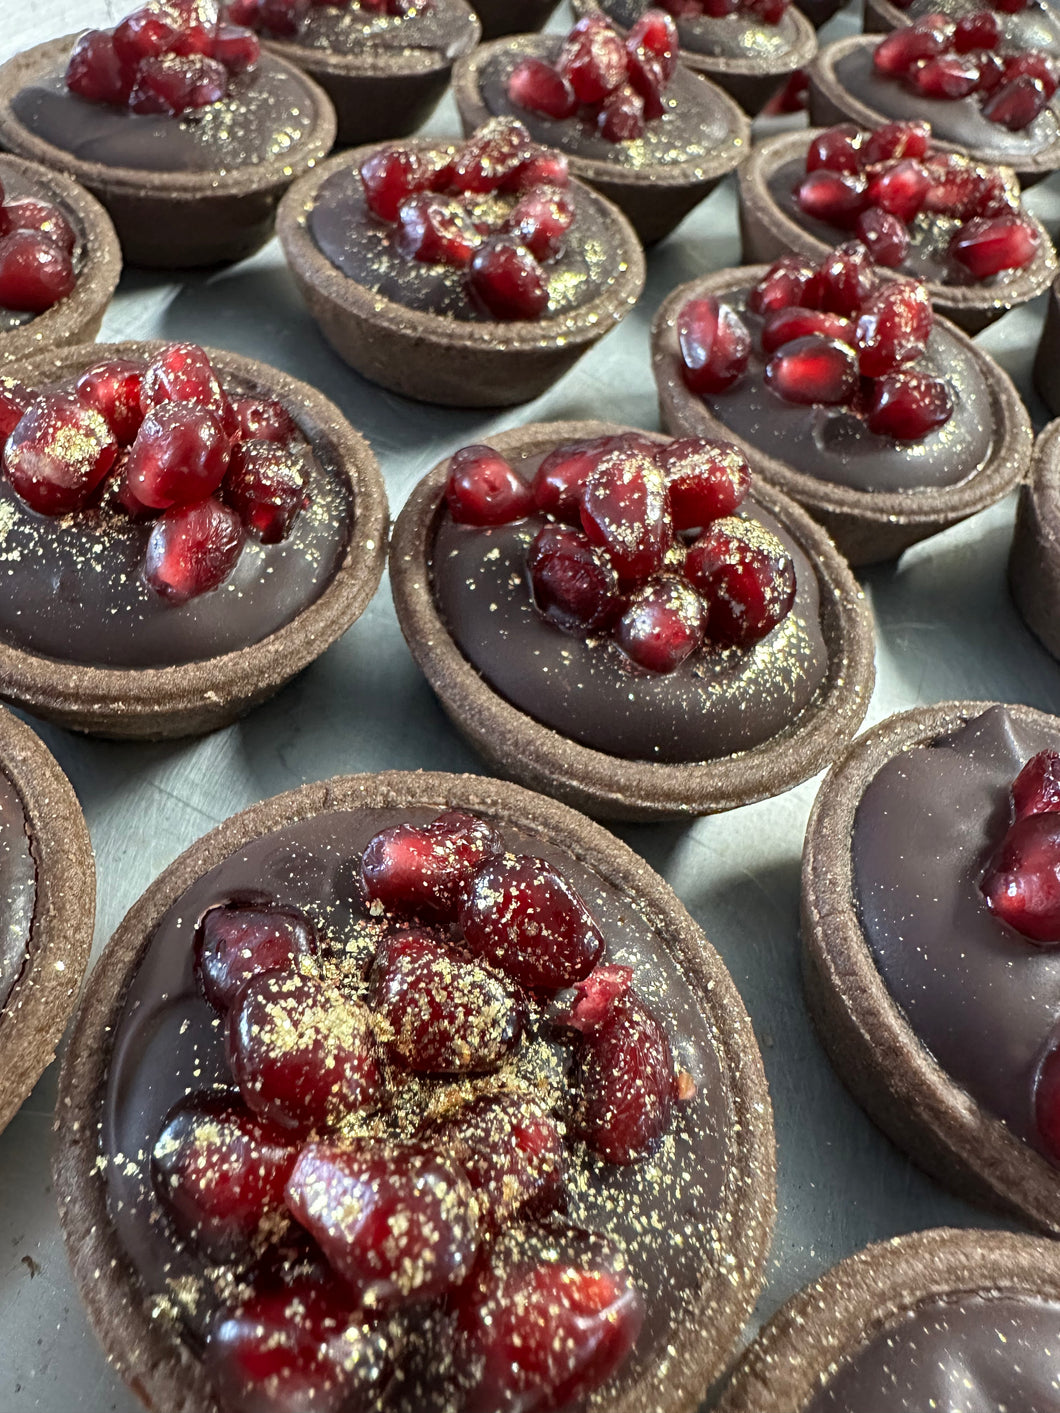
[(133, 653), (1046, 373), (144, 1034), (1034, 563), (907, 1325), (772, 223), (410, 323), (827, 671), (181, 191), (48, 892), (512, 16), (1034, 25), (881, 500), (935, 1002)]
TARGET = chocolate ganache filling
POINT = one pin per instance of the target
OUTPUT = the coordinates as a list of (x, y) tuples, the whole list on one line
[(169, 1041), (737, 36), (979, 1353), (430, 35), (981, 998), (18, 888)]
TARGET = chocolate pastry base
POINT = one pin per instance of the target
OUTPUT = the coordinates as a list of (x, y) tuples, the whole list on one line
[(45, 993), (653, 197), (75, 319), (379, 94), (1034, 563), (195, 697), (768, 231), (605, 785), (831, 102), (869, 1041), (750, 81), (867, 526), (512, 16), (431, 358), (797, 1353), (162, 1371), (170, 220), (1047, 360)]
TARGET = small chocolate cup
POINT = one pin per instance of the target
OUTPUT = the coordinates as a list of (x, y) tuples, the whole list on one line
[(607, 786), (1034, 563), (380, 93), (768, 231), (171, 220), (77, 318), (161, 1370), (867, 526), (831, 103), (874, 1049), (1046, 372), (45, 994), (826, 1323), (196, 697), (432, 358), (752, 82), (512, 16)]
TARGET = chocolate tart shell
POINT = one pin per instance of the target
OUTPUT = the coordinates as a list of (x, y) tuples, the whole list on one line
[(830, 103), (872, 1046), (511, 16), (749, 81), (867, 526), (75, 319), (170, 220), (195, 697), (162, 1372), (768, 231), (654, 198), (1034, 563), (45, 994), (829, 1320), (607, 786), (383, 94), (457, 363), (1046, 373)]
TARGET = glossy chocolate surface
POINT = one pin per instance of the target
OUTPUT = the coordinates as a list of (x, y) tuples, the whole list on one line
[(976, 1353), (982, 999), (833, 445), (15, 185), (168, 1040), (435, 34), (18, 887), (732, 37)]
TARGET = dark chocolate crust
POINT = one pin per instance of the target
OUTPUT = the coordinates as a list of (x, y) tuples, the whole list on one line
[(867, 526), (171, 220), (1034, 562), (435, 359), (45, 994), (604, 785), (153, 703), (379, 95), (767, 232), (512, 16), (1046, 372), (829, 1320), (163, 1374), (872, 1046), (654, 198), (75, 319)]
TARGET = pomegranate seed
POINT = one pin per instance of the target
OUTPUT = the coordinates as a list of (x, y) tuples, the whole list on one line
[(482, 489), (846, 279), (949, 76), (266, 485), (836, 149), (991, 70), (174, 84), (1010, 7), (542, 168), (622, 116), (422, 870), (113, 389), (625, 512), (627, 1086), (894, 327), (655, 36), (705, 480), (540, 88), (262, 419), (787, 325), (900, 189), (884, 236), (1016, 104), (540, 220), (507, 280), (955, 187), (220, 1174), (58, 453), (791, 281), (593, 59), (575, 586), (26, 213), (95, 73), (389, 176), (236, 47), (595, 997), (897, 140), (282, 17), (437, 230), (907, 406), (181, 372), (792, 98), (814, 370), (899, 51), (146, 34), (492, 157), (715, 345), (746, 577), (835, 197), (985, 247), (560, 479), (192, 549), (1022, 881), (662, 626), (1034, 65), (14, 400), (237, 941), (1036, 789), (1047, 1104), (522, 916), (770, 12), (34, 272), (978, 31), (396, 1221), (180, 455)]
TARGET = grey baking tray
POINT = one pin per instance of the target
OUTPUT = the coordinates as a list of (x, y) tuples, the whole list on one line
[(947, 629)]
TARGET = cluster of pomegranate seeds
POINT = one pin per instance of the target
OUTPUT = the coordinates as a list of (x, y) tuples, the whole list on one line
[(769, 12), (284, 17), (496, 208), (613, 83), (175, 447), (878, 184), (1022, 880), (37, 245), (623, 550), (947, 59), (167, 57)]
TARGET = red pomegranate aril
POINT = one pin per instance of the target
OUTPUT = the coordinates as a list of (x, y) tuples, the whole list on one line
[(396, 1221), (192, 549), (791, 281), (746, 577), (899, 51), (95, 73), (991, 70), (145, 34), (1034, 65), (560, 479), (237, 941), (846, 279), (1036, 789), (884, 236), (58, 453), (900, 188), (541, 88), (596, 997), (236, 47), (955, 186), (263, 419), (14, 399), (625, 512), (180, 455), (182, 372), (492, 158), (266, 485), (655, 35), (705, 480), (662, 625), (894, 327), (715, 345), (627, 1083), (1022, 880), (482, 489), (786, 325), (1047, 1104), (522, 916), (986, 246), (542, 168), (175, 83), (907, 406), (389, 177), (282, 18), (437, 230), (1016, 104), (593, 59), (35, 272), (113, 389), (540, 220), (895, 140), (835, 197), (507, 280), (978, 31), (647, 78), (949, 76), (836, 149), (27, 213), (574, 584), (813, 370), (422, 870), (622, 116)]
